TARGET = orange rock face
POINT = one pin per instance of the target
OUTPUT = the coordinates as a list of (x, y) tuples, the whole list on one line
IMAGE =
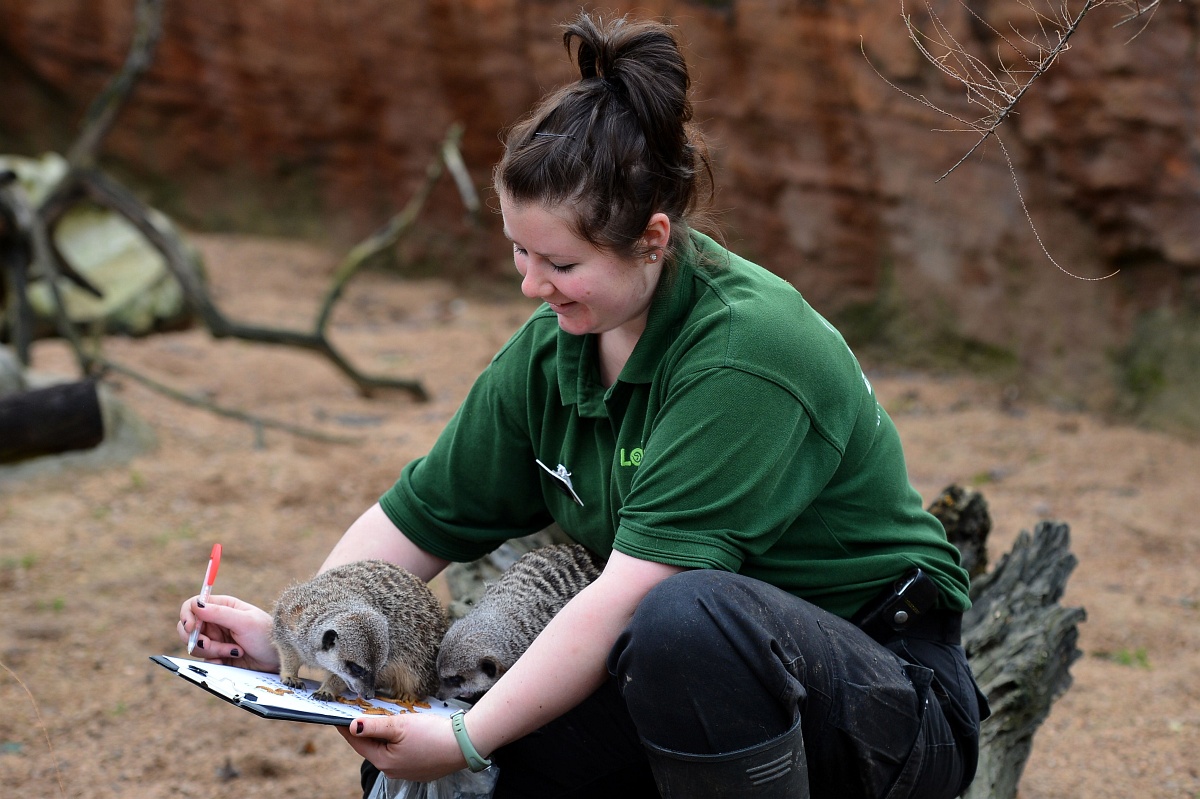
[(326, 114)]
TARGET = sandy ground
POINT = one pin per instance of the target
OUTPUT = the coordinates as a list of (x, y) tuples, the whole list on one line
[(95, 556)]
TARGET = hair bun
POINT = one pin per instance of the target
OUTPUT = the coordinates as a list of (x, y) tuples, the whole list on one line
[(617, 145)]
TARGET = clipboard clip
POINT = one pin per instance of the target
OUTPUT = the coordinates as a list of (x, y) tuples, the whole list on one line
[(562, 480)]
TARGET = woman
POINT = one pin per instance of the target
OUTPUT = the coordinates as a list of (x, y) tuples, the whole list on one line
[(685, 413)]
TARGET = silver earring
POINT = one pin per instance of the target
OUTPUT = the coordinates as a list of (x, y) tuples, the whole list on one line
[(653, 257)]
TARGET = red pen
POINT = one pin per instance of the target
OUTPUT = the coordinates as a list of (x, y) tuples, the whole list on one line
[(214, 562)]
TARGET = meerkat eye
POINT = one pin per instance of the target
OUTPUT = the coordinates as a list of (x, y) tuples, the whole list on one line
[(452, 682), (488, 667), (328, 640), (356, 671)]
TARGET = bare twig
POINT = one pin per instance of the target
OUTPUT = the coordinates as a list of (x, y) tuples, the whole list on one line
[(1138, 10), (230, 413), (998, 92), (42, 725), (1012, 170)]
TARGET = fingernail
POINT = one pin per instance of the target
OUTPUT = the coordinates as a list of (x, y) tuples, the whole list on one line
[(358, 727), (199, 604), (234, 653), (199, 643)]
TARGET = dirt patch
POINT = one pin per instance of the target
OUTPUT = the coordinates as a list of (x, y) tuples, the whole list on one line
[(94, 561)]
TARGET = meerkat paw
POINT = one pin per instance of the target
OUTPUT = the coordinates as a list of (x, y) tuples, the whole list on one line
[(291, 680)]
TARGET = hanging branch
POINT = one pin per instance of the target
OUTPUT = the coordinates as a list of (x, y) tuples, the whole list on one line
[(1021, 59), (997, 90)]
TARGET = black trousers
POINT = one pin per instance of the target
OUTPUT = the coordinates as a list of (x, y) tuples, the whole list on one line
[(713, 662)]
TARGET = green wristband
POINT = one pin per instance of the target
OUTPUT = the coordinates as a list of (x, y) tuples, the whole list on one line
[(475, 761)]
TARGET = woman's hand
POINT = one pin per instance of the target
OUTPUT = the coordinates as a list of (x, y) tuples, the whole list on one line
[(413, 746), (235, 633)]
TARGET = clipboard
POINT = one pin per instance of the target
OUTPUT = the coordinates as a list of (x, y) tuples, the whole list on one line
[(265, 695)]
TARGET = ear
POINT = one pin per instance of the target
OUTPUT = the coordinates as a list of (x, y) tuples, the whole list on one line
[(328, 640), (658, 232)]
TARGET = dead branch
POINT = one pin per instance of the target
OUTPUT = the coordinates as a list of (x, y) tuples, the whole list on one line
[(258, 422), (183, 263), (147, 30), (94, 364), (386, 237), (1019, 639), (14, 259), (27, 245), (83, 181)]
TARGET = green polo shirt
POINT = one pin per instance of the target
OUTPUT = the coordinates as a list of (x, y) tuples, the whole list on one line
[(741, 435)]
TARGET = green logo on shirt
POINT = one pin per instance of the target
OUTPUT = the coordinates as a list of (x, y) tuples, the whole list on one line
[(634, 457)]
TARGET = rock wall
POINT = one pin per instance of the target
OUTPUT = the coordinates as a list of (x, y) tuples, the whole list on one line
[(304, 116)]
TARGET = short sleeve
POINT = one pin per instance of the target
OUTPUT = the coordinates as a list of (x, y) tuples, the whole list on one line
[(731, 461), (475, 488)]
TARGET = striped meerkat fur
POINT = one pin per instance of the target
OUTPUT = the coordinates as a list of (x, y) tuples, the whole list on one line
[(486, 642), (371, 624)]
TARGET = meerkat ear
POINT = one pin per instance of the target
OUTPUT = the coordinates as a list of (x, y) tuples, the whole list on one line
[(488, 667), (328, 640)]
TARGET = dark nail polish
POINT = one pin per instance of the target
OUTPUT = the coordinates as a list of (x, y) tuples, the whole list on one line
[(199, 643), (358, 727), (199, 604), (234, 653)]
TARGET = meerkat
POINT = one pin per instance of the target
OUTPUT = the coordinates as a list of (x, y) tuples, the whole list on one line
[(372, 625), (486, 642)]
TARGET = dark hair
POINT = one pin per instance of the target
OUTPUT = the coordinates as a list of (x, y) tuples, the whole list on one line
[(617, 144)]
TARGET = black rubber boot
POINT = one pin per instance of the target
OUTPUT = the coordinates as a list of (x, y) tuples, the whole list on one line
[(776, 769)]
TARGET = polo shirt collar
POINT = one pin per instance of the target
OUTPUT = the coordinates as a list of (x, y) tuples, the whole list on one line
[(578, 371)]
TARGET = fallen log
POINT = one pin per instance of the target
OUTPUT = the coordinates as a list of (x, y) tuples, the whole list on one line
[(46, 421), (1020, 641)]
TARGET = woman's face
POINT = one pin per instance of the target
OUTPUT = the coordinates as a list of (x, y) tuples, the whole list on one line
[(591, 290)]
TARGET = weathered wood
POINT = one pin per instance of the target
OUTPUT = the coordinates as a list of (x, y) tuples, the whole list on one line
[(964, 514), (50, 420), (1020, 641)]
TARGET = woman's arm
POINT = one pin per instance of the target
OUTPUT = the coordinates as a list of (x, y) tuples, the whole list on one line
[(373, 535), (565, 664)]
